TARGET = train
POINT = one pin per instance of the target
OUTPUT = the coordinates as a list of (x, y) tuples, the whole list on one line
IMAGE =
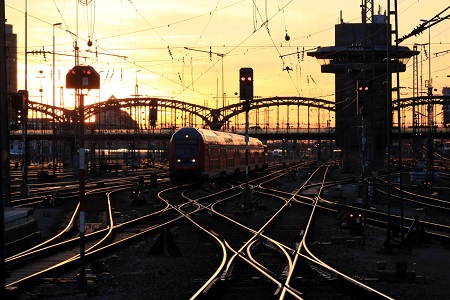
[(197, 155)]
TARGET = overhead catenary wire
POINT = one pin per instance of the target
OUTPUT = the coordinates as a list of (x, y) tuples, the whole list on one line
[(240, 50)]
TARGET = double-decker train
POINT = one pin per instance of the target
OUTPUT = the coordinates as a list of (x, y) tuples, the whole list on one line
[(196, 155)]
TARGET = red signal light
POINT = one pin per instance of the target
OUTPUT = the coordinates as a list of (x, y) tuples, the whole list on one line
[(82, 77), (153, 107), (246, 84)]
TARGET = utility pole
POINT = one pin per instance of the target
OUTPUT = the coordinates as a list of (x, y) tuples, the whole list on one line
[(246, 94), (4, 147), (79, 78), (54, 104), (153, 118), (24, 189)]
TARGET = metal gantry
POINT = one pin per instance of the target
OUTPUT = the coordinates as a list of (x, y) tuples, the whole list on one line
[(213, 118)]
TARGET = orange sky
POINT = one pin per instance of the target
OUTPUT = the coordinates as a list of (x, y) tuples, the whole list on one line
[(145, 41)]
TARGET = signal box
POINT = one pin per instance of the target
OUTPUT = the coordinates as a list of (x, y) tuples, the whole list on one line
[(246, 84), (82, 77)]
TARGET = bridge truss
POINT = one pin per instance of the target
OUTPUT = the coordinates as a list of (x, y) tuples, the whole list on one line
[(212, 118), (217, 118)]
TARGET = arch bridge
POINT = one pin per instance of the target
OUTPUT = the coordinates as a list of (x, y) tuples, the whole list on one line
[(174, 113), (212, 118)]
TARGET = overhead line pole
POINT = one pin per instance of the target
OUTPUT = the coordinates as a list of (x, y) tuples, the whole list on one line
[(82, 283), (246, 94), (4, 147), (54, 104), (24, 190)]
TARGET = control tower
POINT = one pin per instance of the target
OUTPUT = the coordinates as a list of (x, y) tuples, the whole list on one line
[(363, 108)]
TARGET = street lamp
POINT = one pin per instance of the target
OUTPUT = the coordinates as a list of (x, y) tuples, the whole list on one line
[(54, 104)]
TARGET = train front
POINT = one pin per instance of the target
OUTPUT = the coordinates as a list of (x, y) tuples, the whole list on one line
[(186, 156)]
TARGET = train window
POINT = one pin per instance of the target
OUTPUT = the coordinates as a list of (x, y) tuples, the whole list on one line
[(186, 148)]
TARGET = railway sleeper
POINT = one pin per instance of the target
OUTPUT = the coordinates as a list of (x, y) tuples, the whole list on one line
[(321, 274), (240, 280), (283, 271)]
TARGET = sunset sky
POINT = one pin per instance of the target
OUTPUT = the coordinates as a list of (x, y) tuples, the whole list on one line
[(146, 40)]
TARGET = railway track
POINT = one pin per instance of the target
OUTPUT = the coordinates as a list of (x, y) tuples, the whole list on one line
[(258, 249), (272, 265), (59, 253)]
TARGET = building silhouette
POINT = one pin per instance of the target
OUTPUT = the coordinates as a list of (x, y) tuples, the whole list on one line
[(363, 69)]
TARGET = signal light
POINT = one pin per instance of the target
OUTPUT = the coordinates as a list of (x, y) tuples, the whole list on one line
[(18, 104), (363, 88), (246, 79), (153, 108), (246, 84), (82, 77)]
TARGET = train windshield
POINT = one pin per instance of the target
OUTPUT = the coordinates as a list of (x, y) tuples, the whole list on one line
[(186, 148)]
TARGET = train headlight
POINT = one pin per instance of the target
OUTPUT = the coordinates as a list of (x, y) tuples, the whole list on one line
[(178, 160), (193, 160)]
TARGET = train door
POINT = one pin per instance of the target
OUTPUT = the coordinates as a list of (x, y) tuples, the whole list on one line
[(230, 158), (223, 158), (242, 157), (236, 159), (213, 159), (265, 157), (207, 159)]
